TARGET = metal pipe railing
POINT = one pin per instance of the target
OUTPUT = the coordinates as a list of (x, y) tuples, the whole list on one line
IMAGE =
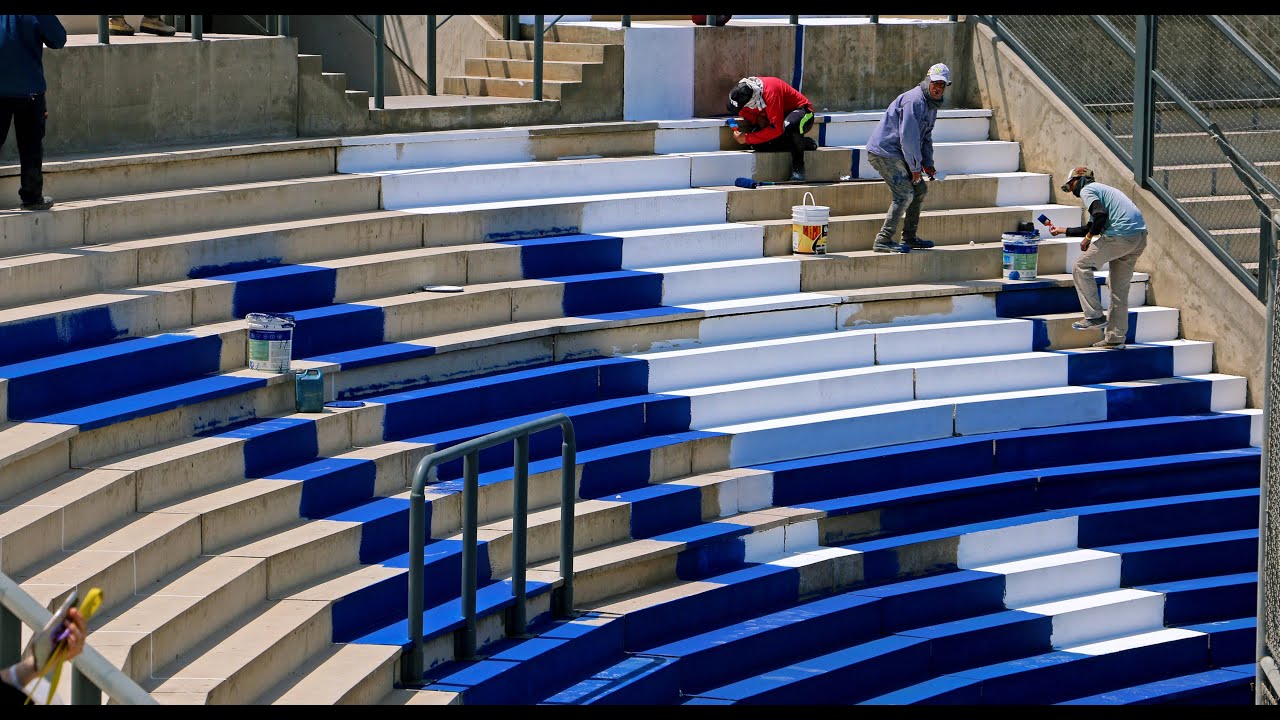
[(412, 661), (1265, 669), (284, 25), (91, 673), (197, 27), (379, 41), (537, 57), (104, 34), (626, 21), (431, 54)]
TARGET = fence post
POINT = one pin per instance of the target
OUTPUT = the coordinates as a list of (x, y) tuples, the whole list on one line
[(537, 57), (794, 19), (104, 38), (284, 25), (10, 638), (1263, 662), (568, 491), (378, 39), (1143, 100), (431, 54), (83, 691), (875, 19), (197, 27), (626, 21)]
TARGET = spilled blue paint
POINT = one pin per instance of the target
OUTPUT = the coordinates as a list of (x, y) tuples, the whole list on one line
[(531, 233)]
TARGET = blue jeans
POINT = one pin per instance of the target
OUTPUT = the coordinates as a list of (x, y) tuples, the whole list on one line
[(907, 197)]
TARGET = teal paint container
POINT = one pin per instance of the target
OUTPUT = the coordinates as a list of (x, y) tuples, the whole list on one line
[(309, 391)]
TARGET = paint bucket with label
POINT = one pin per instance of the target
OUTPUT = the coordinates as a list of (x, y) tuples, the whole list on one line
[(309, 391), (270, 341), (809, 227), (1021, 254)]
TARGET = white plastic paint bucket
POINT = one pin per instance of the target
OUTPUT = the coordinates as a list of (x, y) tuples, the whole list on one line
[(809, 224), (270, 341), (1021, 255)]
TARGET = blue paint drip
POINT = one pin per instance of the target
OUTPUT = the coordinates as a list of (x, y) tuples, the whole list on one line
[(336, 328), (569, 255), (85, 377), (243, 266), (30, 339), (281, 289), (533, 233), (610, 292)]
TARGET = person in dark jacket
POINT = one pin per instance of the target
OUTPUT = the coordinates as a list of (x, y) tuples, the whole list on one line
[(901, 150), (775, 116), (22, 87)]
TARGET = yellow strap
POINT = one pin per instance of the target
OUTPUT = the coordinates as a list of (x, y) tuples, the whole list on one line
[(88, 607)]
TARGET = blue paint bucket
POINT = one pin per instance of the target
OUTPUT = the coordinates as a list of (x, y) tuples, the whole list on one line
[(270, 341), (1021, 254)]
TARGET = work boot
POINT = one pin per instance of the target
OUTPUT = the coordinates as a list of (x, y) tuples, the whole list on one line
[(916, 243), (45, 204), (1110, 344), (883, 246), (117, 25), (154, 25)]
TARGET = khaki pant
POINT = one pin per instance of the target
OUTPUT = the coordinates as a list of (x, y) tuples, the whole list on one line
[(1122, 253)]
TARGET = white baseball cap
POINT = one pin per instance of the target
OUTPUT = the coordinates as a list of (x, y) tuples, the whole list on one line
[(940, 72)]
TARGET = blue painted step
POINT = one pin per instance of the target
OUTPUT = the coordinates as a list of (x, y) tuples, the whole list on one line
[(1222, 686)]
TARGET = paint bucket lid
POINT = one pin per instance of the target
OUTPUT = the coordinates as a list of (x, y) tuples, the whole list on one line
[(345, 404), (277, 321), (1021, 237), (442, 288)]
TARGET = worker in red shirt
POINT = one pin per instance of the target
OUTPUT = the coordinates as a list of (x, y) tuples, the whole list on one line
[(775, 117)]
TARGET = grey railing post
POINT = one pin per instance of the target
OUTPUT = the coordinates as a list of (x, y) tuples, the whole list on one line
[(1265, 664), (1143, 102), (104, 36), (537, 57), (271, 24), (952, 18), (197, 27), (793, 19), (379, 37), (431, 54), (470, 489), (83, 691), (10, 637), (568, 491), (875, 18), (520, 521), (626, 21), (412, 666), (284, 25)]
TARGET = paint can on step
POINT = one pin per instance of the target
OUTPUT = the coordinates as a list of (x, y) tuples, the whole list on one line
[(809, 223), (1021, 254), (270, 341)]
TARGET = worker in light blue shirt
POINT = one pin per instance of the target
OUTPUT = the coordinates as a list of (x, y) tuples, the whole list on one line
[(22, 85), (1116, 233)]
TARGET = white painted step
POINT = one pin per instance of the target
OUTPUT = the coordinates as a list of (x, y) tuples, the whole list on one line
[(530, 180), (856, 128), (1128, 642), (1255, 424), (613, 211), (978, 156), (1016, 542), (1101, 616), (1059, 576), (447, 148), (727, 280), (655, 247)]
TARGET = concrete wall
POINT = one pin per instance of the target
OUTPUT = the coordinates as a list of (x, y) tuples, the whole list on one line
[(132, 95), (1214, 305), (844, 67)]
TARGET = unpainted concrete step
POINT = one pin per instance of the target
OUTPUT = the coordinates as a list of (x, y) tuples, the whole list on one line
[(503, 87), (551, 51), (523, 69)]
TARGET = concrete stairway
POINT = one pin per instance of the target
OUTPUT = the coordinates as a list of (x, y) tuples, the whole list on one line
[(251, 554), (506, 70)]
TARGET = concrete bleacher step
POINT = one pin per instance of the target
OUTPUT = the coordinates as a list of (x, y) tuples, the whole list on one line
[(523, 69), (552, 51), (1198, 147), (339, 676), (503, 87)]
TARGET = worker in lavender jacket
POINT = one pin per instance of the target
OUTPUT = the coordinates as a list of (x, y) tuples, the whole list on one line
[(901, 150)]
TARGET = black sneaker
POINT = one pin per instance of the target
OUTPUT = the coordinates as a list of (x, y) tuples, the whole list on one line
[(890, 246), (44, 205), (810, 144), (918, 244), (797, 175)]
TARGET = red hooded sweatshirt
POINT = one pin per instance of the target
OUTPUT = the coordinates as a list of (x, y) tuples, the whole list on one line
[(779, 99)]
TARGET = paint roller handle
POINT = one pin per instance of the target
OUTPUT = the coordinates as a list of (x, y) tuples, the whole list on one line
[(745, 182)]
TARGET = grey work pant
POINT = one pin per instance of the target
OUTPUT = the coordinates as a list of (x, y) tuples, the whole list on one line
[(1122, 253), (907, 197)]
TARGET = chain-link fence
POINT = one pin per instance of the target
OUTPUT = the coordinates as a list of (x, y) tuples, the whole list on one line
[(1222, 67)]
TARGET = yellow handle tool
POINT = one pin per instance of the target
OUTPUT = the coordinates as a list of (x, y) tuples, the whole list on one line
[(88, 607)]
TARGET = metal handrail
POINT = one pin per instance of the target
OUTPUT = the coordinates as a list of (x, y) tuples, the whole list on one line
[(1068, 98), (412, 661), (91, 673)]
